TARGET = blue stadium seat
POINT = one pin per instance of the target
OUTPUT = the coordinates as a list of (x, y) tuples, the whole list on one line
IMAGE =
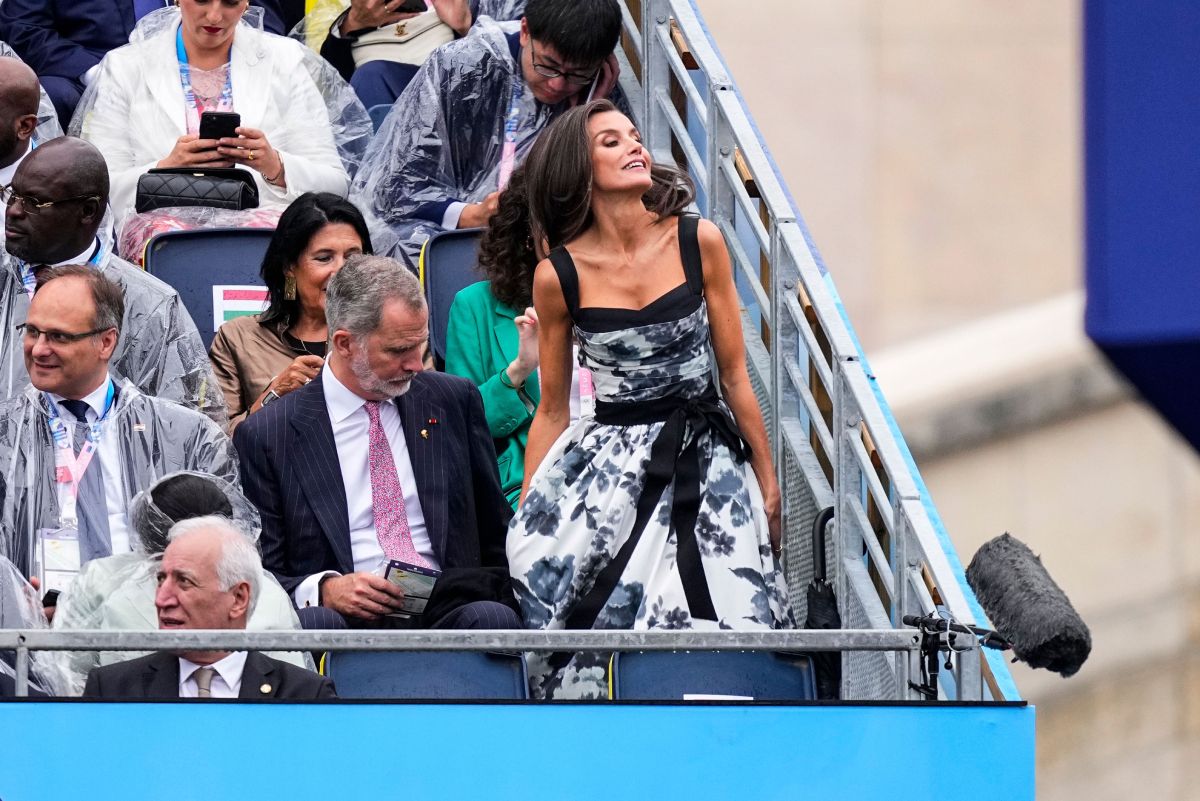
[(671, 675), (449, 264), (378, 113), (425, 675), (193, 262)]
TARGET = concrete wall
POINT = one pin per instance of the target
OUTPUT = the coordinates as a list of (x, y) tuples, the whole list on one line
[(934, 149)]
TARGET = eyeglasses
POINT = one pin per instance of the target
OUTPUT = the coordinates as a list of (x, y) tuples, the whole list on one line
[(57, 337), (34, 206), (546, 71)]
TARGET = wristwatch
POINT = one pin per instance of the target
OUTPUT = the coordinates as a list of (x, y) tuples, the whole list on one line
[(270, 396)]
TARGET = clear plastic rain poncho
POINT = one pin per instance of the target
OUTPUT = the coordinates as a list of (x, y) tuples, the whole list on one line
[(159, 349), (444, 138), (154, 437), (21, 608), (135, 109), (116, 593), (48, 127)]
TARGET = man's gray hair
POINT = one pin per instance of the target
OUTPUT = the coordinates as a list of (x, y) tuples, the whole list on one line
[(356, 295), (239, 560)]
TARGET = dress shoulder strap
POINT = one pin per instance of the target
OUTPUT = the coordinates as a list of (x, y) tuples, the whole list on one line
[(689, 252), (568, 278)]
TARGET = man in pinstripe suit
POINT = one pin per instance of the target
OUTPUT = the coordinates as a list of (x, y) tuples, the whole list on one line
[(376, 460)]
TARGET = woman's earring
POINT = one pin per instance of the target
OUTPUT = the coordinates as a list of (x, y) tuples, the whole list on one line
[(289, 288)]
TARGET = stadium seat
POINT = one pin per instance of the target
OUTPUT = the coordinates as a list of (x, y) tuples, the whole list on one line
[(378, 113), (449, 263), (676, 675), (194, 262), (450, 675)]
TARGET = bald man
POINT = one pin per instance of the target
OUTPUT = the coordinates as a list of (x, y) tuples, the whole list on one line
[(55, 205), (19, 97)]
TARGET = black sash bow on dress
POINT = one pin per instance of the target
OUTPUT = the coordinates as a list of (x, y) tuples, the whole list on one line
[(669, 458)]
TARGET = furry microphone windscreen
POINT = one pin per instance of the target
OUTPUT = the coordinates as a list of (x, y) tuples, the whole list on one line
[(1027, 607)]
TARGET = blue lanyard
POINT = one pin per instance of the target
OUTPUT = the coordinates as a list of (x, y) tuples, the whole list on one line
[(29, 278), (185, 78), (512, 124), (58, 428)]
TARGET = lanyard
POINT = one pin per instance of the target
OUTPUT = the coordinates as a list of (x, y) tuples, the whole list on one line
[(191, 104), (29, 277), (69, 468), (508, 156)]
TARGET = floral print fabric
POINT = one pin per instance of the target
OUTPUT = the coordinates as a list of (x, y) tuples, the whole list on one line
[(581, 504)]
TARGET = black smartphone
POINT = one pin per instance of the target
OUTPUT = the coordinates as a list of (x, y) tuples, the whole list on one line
[(219, 124), (412, 6)]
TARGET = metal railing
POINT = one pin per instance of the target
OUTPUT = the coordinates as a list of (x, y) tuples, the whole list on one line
[(24, 642), (833, 438)]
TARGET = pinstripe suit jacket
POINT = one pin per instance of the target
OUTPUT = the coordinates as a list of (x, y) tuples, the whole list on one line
[(290, 471)]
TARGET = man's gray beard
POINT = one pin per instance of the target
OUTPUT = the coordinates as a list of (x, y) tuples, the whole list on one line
[(361, 367)]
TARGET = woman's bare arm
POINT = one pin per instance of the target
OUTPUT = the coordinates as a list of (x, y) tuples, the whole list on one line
[(554, 347), (725, 323)]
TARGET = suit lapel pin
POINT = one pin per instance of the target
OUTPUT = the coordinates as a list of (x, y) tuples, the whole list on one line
[(432, 421), (265, 689)]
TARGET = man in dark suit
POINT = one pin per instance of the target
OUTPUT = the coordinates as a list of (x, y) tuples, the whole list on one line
[(376, 460), (64, 40), (208, 580)]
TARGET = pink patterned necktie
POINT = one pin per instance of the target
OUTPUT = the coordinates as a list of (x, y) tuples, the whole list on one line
[(387, 496)]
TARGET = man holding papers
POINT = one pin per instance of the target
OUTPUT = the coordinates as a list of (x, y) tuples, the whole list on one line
[(377, 467)]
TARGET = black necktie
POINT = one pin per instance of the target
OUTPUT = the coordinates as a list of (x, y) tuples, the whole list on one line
[(91, 506)]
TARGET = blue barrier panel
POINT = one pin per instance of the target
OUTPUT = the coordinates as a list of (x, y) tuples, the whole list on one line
[(1142, 112), (216, 750)]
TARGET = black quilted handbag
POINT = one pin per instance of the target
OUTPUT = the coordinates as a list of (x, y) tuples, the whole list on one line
[(219, 188)]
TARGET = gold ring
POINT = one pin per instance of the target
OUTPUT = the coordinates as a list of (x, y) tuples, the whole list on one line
[(251, 156)]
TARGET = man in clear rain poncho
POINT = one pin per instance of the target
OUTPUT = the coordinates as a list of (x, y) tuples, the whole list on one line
[(76, 446), (472, 112), (55, 206), (116, 593)]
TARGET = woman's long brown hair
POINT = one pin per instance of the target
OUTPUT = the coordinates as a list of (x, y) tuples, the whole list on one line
[(558, 179)]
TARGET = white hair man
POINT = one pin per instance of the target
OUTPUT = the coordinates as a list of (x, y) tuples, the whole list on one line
[(209, 579)]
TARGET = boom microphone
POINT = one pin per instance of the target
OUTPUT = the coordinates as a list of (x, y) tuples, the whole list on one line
[(1027, 608)]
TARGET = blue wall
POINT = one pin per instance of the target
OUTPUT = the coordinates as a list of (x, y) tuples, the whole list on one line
[(216, 751), (1142, 128)]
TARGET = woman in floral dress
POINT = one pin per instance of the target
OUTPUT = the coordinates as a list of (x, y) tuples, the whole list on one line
[(662, 510)]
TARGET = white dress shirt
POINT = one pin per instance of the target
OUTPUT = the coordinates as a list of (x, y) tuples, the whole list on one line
[(108, 451), (350, 423), (227, 683)]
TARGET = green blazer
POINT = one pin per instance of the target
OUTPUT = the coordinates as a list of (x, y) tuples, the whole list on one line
[(481, 341)]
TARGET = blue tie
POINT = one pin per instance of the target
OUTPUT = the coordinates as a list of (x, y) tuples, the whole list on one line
[(95, 540), (143, 7)]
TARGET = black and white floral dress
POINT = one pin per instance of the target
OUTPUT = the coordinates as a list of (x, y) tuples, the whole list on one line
[(647, 515)]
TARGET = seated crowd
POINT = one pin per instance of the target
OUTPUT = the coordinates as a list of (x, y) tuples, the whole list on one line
[(592, 456)]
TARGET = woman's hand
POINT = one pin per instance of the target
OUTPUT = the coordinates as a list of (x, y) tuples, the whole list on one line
[(302, 370), (252, 149), (366, 14), (192, 151), (520, 368), (455, 13), (773, 506)]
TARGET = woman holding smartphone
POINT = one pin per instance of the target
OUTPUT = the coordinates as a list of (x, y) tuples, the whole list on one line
[(298, 128)]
